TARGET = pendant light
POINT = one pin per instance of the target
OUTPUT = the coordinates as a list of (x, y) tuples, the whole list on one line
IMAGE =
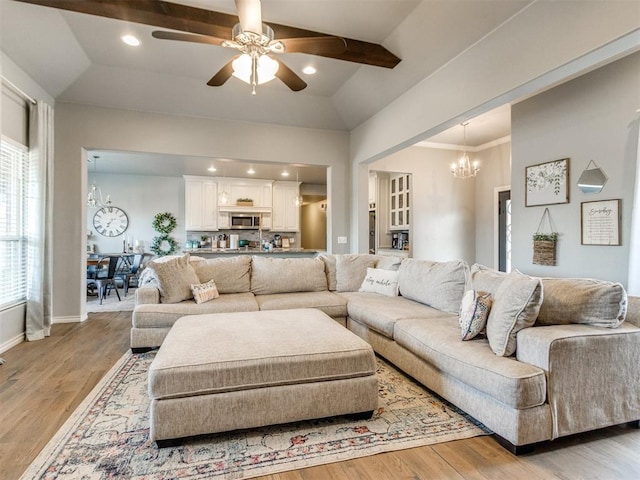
[(464, 168), (298, 200)]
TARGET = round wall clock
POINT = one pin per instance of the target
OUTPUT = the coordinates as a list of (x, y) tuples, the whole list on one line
[(110, 221)]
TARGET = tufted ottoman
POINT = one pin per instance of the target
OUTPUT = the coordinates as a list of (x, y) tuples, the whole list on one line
[(228, 371)]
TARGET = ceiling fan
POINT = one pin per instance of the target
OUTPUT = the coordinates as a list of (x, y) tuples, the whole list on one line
[(257, 43)]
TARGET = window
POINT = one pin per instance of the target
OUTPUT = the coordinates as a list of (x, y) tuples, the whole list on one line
[(14, 163)]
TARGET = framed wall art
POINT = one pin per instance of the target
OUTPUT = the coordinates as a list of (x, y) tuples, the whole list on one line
[(547, 183), (600, 222)]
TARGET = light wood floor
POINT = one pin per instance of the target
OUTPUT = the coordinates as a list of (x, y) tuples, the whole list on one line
[(42, 383)]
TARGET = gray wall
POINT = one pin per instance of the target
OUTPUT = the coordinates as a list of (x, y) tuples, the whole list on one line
[(142, 198), (79, 127), (495, 171), (442, 207), (588, 118)]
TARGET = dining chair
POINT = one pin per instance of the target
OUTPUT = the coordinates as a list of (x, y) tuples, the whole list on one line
[(131, 273), (105, 282)]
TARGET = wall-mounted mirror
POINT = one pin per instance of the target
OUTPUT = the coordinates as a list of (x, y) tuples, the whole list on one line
[(592, 179)]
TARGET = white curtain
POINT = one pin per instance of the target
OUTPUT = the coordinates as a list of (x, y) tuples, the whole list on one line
[(633, 285), (39, 222)]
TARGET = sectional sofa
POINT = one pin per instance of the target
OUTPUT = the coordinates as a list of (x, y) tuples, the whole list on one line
[(558, 356)]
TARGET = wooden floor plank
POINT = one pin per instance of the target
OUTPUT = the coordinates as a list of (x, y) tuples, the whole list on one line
[(43, 382)]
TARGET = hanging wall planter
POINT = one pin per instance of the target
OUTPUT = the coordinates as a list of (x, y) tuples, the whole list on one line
[(544, 244)]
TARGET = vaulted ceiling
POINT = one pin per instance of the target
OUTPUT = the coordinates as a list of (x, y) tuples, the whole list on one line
[(80, 58)]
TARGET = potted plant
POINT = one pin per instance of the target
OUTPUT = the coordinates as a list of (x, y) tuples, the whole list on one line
[(203, 240), (244, 202)]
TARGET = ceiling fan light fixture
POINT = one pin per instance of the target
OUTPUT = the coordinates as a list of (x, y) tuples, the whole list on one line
[(266, 68), (309, 70)]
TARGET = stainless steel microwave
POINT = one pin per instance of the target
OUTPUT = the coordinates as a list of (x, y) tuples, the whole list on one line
[(245, 221)]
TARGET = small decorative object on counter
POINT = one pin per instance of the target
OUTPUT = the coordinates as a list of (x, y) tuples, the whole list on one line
[(544, 244)]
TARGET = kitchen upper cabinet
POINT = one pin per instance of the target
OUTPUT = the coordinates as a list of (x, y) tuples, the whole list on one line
[(399, 191), (286, 215), (260, 191), (201, 204)]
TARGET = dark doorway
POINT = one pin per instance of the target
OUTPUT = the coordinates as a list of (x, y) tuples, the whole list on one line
[(504, 231)]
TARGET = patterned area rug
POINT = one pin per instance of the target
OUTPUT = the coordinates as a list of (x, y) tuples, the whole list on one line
[(107, 436)]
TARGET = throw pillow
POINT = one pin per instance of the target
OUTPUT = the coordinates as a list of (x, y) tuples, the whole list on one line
[(581, 300), (485, 279), (515, 306), (440, 285), (351, 270), (384, 282), (474, 312), (231, 274), (203, 292), (174, 278)]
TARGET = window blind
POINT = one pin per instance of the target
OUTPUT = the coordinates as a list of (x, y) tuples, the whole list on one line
[(14, 163)]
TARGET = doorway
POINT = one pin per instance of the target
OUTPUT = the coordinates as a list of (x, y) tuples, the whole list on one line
[(504, 230)]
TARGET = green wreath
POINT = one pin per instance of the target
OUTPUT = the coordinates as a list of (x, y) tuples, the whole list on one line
[(164, 223), (156, 245)]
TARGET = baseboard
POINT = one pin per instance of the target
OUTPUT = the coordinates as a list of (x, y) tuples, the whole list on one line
[(72, 319), (12, 343)]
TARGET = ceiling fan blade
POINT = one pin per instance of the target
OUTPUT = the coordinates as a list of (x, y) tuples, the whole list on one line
[(250, 15), (223, 74), (186, 37), (156, 13), (315, 45), (174, 16), (290, 78)]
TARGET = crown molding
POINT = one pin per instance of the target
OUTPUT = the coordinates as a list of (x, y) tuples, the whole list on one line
[(450, 146)]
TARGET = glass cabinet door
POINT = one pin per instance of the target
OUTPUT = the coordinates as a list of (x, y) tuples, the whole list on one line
[(399, 192)]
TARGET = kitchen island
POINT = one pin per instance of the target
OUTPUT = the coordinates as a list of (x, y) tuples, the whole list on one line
[(274, 252)]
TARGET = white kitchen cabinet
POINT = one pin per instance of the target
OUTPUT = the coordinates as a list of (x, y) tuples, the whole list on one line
[(201, 204), (260, 191), (286, 215), (399, 211)]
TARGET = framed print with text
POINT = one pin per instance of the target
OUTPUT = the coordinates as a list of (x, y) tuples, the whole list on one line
[(600, 222)]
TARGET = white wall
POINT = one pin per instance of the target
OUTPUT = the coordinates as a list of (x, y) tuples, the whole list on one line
[(495, 171), (142, 198), (586, 119), (442, 207), (79, 127)]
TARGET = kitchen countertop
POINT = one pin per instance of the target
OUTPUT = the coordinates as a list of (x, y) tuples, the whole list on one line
[(250, 251)]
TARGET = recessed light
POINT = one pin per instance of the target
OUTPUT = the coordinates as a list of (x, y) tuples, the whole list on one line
[(285, 173), (131, 40), (251, 171), (212, 168), (309, 70)]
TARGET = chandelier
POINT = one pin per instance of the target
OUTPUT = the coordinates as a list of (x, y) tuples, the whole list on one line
[(464, 168), (94, 198)]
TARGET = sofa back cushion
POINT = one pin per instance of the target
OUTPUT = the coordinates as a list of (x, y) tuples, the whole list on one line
[(231, 274), (440, 285), (582, 300), (485, 279), (284, 275), (174, 278), (330, 270), (515, 306), (351, 270)]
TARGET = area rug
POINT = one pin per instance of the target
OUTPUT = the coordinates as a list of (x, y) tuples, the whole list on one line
[(107, 436), (111, 303)]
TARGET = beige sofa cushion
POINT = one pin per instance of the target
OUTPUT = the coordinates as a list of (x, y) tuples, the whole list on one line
[(515, 306), (438, 284), (231, 274), (581, 300), (328, 302), (385, 262), (351, 270), (174, 278), (330, 270), (283, 275), (437, 341), (165, 315), (485, 279)]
